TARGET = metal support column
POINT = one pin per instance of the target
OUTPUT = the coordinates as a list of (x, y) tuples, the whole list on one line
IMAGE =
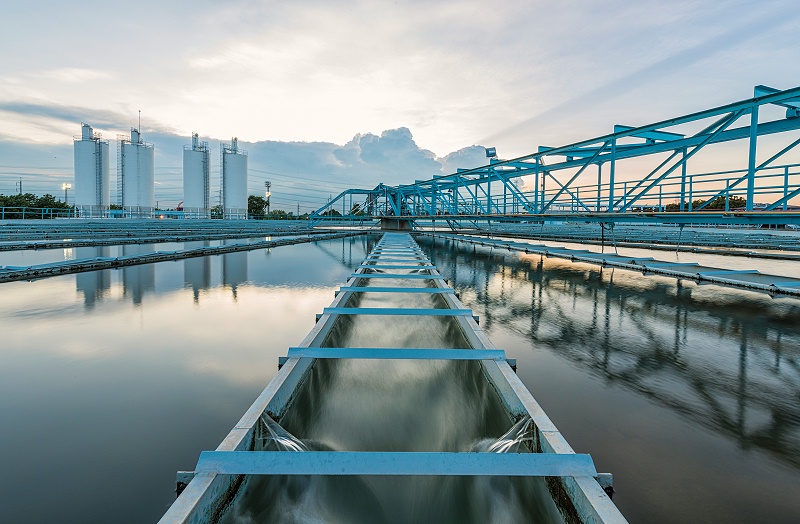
[(683, 181), (751, 164), (599, 183), (611, 175)]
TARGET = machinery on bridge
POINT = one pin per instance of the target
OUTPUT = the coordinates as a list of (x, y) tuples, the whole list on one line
[(581, 181)]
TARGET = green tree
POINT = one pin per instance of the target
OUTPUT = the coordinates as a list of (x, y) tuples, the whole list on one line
[(32, 205), (278, 214), (256, 206), (734, 202)]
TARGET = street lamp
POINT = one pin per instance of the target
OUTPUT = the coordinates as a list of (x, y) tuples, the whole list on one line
[(267, 194), (66, 188)]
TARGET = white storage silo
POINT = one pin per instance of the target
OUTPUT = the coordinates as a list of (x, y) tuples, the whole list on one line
[(135, 175), (234, 180), (196, 173), (92, 191)]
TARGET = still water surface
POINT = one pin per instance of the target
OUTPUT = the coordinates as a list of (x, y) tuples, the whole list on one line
[(111, 381), (688, 394)]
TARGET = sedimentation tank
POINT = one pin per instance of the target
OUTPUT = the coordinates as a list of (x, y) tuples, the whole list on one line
[(234, 180), (92, 191), (135, 172), (196, 174)]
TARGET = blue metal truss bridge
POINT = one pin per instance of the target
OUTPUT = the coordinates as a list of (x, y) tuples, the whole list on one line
[(583, 182)]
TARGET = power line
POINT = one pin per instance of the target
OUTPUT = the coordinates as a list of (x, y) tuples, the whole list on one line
[(299, 177)]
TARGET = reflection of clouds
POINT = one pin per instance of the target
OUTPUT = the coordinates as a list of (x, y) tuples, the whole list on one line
[(268, 321), (726, 359), (236, 340)]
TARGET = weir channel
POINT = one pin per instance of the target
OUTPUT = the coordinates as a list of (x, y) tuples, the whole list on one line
[(395, 408)]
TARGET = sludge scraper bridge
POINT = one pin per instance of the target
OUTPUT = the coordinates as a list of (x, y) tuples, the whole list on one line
[(573, 482)]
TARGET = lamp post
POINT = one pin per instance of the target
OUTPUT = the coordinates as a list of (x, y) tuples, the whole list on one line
[(66, 188), (267, 194)]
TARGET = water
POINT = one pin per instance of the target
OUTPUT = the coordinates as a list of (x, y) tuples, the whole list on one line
[(379, 405), (689, 394), (111, 381)]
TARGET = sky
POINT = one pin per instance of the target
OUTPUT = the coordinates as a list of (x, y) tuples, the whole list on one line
[(330, 95)]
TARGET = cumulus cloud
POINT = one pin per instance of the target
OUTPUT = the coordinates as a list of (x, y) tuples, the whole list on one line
[(466, 157), (393, 155)]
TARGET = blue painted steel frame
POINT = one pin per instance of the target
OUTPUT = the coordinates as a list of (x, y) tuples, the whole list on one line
[(464, 197), (398, 463), (396, 311), (376, 289), (399, 353)]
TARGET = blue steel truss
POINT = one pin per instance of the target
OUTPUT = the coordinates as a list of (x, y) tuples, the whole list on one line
[(570, 181)]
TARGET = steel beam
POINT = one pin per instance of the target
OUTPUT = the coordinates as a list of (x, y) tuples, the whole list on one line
[(395, 463), (399, 353)]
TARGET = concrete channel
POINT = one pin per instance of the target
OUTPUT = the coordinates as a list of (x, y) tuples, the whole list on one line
[(15, 273), (220, 477)]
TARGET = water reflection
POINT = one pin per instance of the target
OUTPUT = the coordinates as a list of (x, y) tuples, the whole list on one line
[(197, 271), (139, 280), (141, 388), (234, 268), (92, 285), (726, 359), (721, 362)]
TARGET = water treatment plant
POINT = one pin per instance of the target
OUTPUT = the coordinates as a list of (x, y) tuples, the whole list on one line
[(537, 339)]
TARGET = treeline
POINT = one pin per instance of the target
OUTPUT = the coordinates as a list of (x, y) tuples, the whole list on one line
[(734, 202), (31, 200), (28, 205)]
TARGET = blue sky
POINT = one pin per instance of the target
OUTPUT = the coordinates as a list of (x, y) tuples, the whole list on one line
[(327, 95)]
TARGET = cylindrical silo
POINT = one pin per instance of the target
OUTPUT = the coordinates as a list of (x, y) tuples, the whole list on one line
[(92, 191), (196, 172), (137, 180), (234, 180)]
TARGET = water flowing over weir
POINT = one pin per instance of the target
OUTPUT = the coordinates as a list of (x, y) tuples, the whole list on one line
[(396, 408)]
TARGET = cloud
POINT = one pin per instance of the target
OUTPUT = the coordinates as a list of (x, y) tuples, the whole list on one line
[(301, 172), (663, 69), (297, 80), (65, 117), (466, 157), (393, 155)]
